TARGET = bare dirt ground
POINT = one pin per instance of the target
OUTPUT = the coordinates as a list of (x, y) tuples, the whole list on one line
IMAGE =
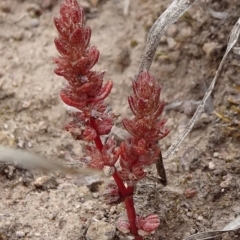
[(34, 205)]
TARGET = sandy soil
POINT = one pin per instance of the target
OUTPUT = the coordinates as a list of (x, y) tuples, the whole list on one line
[(36, 205)]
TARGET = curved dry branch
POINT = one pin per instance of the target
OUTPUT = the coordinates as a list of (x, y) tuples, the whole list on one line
[(234, 35), (169, 16)]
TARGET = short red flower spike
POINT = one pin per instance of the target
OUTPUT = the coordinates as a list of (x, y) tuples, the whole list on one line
[(147, 108), (84, 90), (146, 129)]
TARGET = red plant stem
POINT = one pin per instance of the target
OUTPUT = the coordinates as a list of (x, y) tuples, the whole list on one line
[(126, 193), (129, 205), (98, 143), (121, 187), (97, 140)]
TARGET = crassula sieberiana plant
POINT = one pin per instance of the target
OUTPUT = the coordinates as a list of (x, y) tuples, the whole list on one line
[(84, 90)]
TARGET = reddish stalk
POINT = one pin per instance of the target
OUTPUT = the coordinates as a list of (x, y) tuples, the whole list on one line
[(97, 140), (126, 193), (131, 213), (121, 187)]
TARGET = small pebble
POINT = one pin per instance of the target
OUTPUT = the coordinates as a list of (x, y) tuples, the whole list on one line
[(101, 229), (33, 10), (21, 143), (216, 154), (113, 209), (40, 181), (34, 22), (195, 216), (18, 35), (9, 171), (171, 43), (26, 104), (190, 192), (89, 205), (20, 234), (209, 48), (189, 214), (192, 231), (226, 182), (184, 33), (29, 144), (211, 165), (95, 195)]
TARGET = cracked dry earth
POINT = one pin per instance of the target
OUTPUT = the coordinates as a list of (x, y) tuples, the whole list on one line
[(40, 206)]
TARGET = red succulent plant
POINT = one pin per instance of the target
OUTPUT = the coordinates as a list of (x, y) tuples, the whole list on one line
[(84, 90)]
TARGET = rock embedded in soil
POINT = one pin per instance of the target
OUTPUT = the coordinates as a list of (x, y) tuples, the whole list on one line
[(45, 182), (227, 181), (211, 165), (20, 234), (9, 171), (171, 43), (33, 10), (101, 231), (34, 22), (210, 48), (190, 192), (18, 35)]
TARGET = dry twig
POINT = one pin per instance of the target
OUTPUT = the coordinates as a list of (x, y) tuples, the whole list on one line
[(234, 35), (169, 16)]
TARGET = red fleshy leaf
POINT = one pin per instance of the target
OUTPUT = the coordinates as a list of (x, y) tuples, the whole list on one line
[(104, 126), (77, 15), (107, 157), (61, 46), (69, 99), (89, 134), (148, 224), (123, 225), (137, 172), (87, 35), (76, 38), (59, 27), (106, 89), (111, 194)]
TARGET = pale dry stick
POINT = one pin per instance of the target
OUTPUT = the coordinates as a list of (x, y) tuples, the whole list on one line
[(126, 7), (176, 9), (234, 35), (232, 226), (169, 16), (33, 161)]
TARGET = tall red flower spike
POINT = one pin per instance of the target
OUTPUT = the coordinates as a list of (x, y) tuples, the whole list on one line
[(84, 90)]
